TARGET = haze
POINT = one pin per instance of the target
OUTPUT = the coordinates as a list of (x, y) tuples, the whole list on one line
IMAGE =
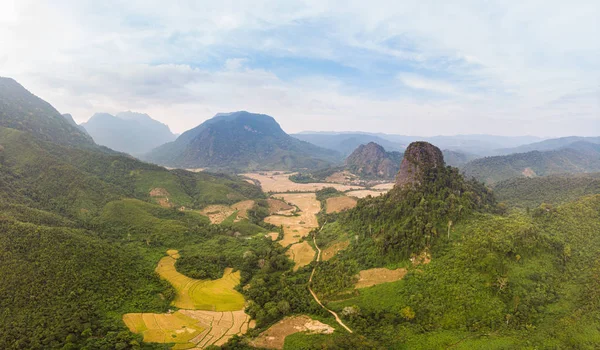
[(416, 68)]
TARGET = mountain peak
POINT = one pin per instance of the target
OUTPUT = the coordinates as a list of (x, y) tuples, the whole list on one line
[(419, 158), (371, 160)]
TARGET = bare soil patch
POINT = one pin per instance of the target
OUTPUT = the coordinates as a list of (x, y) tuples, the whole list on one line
[(279, 182), (296, 227), (384, 187), (528, 172), (302, 254), (333, 249), (372, 277), (365, 193), (159, 192), (277, 206), (273, 235), (274, 337), (338, 204), (217, 213), (422, 259), (243, 207)]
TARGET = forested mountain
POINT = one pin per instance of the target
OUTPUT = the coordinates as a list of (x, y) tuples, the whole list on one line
[(242, 141), (554, 189), (457, 159), (497, 279), (80, 232), (579, 157), (129, 132), (372, 161), (21, 110)]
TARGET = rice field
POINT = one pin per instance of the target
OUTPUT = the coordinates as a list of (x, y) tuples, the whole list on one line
[(211, 311), (212, 295)]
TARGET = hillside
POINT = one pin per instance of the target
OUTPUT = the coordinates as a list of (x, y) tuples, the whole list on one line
[(581, 157), (372, 161), (21, 110), (241, 141), (82, 230), (554, 189), (128, 132), (471, 275)]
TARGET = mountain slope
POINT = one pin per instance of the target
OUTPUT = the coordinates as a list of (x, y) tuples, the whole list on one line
[(21, 110), (242, 141), (347, 143), (549, 145), (372, 161), (580, 157), (552, 189), (128, 132)]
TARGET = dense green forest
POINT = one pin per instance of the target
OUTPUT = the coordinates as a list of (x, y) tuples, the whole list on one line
[(553, 189)]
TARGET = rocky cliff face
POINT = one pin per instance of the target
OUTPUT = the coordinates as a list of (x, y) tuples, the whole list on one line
[(419, 157), (371, 160)]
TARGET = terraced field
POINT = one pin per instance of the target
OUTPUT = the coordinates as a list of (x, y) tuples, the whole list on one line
[(212, 295), (211, 310)]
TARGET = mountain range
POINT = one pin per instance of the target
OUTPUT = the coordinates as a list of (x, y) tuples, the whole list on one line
[(128, 132), (243, 141), (577, 157)]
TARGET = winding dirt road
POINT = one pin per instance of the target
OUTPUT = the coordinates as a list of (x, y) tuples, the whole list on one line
[(337, 318)]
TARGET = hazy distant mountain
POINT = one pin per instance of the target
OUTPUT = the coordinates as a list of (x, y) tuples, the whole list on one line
[(481, 145), (456, 158), (128, 132), (346, 143), (578, 157), (241, 141), (372, 161), (21, 110), (549, 145)]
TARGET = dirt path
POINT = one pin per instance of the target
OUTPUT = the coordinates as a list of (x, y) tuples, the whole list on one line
[(337, 318)]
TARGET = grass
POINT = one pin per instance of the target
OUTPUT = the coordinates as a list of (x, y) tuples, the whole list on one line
[(212, 295)]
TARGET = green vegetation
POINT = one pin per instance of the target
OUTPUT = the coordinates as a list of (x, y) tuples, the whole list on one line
[(517, 281), (553, 189), (584, 157), (241, 141)]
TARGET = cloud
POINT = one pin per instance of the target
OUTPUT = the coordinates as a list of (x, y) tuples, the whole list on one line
[(420, 67)]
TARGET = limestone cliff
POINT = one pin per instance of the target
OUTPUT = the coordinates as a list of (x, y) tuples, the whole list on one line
[(419, 157)]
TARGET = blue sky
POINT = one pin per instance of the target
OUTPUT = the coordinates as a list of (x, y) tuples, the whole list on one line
[(409, 67)]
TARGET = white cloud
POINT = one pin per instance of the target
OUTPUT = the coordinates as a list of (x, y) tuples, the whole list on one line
[(500, 66)]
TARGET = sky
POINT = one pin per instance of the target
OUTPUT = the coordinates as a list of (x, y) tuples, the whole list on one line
[(404, 67)]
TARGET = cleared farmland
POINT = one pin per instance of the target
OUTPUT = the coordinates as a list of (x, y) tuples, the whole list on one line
[(274, 337), (296, 227), (372, 277), (213, 295), (211, 311), (338, 204)]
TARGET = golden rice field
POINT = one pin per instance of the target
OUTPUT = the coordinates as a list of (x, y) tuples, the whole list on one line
[(211, 311), (164, 328), (193, 294)]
